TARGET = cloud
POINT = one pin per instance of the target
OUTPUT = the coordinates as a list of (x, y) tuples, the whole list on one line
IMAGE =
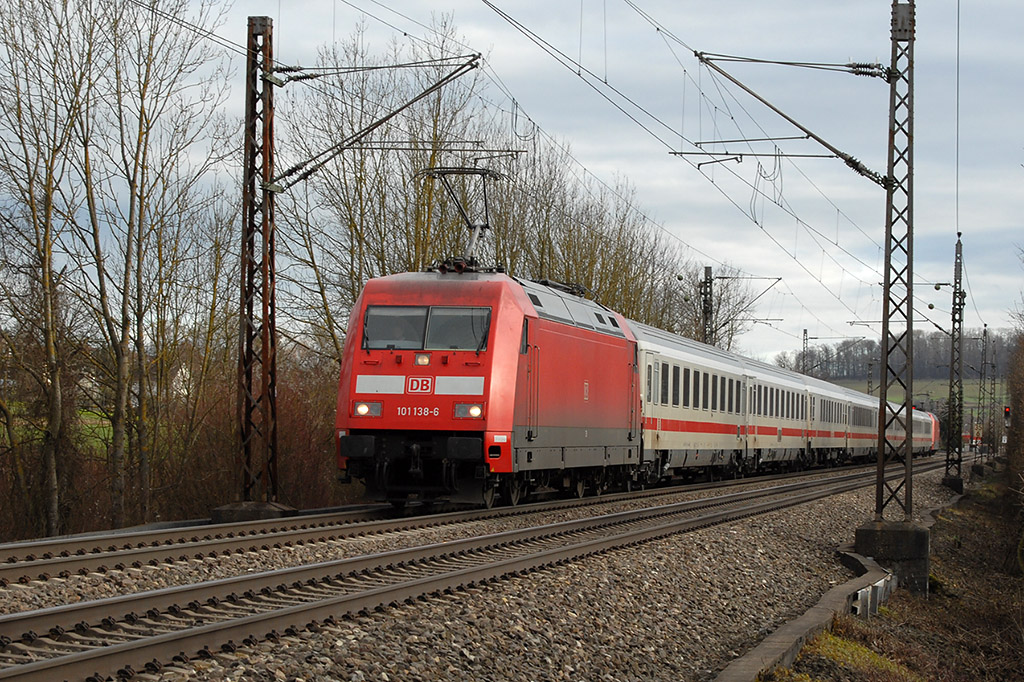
[(819, 225)]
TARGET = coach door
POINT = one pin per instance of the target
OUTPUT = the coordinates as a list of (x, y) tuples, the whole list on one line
[(746, 402), (634, 388)]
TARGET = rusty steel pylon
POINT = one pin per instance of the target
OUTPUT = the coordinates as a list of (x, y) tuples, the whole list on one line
[(895, 420), (257, 339), (955, 406), (707, 308)]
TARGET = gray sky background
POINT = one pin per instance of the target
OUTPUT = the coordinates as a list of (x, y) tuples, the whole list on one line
[(814, 222)]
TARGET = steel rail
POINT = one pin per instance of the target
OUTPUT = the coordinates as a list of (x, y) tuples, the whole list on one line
[(71, 665), (84, 554)]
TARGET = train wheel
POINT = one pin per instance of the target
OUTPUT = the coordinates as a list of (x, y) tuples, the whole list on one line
[(579, 488), (490, 493), (512, 490)]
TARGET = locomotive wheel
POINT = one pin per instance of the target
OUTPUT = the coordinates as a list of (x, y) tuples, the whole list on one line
[(512, 490), (490, 493)]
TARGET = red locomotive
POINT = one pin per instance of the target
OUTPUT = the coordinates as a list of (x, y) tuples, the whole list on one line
[(473, 386), (455, 386)]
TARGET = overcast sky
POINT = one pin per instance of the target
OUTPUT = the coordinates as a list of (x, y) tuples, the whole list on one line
[(811, 221)]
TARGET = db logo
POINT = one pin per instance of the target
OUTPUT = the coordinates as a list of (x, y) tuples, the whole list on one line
[(419, 385)]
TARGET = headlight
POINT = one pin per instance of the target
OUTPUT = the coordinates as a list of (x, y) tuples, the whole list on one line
[(367, 409), (468, 411), (422, 359)]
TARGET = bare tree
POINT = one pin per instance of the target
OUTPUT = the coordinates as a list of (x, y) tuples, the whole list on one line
[(732, 302), (45, 45), (139, 158), (367, 213)]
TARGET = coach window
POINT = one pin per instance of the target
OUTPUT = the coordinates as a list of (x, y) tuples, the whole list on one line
[(731, 395), (757, 404), (714, 392), (664, 383), (704, 395), (686, 387), (675, 385), (721, 394), (648, 383), (696, 389)]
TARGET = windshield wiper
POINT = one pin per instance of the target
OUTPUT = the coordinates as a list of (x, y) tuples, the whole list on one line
[(483, 338)]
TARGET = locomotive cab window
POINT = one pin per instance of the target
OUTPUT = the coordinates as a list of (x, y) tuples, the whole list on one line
[(426, 328)]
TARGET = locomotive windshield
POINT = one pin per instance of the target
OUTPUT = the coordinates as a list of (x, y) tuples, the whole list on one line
[(426, 328)]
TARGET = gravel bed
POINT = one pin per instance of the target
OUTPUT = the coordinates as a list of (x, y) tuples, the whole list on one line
[(674, 609)]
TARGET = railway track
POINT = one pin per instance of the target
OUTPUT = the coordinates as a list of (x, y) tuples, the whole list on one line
[(24, 562), (146, 631)]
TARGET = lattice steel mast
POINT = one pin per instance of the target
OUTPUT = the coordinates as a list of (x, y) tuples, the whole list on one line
[(707, 308), (257, 339), (895, 421), (955, 406), (983, 387)]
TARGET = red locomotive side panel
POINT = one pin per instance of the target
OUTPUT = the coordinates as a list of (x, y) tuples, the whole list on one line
[(577, 399)]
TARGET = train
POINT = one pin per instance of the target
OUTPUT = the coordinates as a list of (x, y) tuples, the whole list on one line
[(471, 386)]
